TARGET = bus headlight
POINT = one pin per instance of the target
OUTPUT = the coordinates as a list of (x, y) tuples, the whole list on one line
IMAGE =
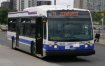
[(55, 46), (86, 45)]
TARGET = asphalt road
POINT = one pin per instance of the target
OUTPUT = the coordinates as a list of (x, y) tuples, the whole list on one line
[(10, 57)]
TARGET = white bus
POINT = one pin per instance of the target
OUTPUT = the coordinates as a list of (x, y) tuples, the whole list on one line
[(52, 31)]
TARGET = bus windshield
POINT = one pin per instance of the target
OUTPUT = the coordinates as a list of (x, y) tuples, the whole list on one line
[(70, 29)]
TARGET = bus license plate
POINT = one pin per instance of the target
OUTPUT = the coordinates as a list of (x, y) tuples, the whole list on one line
[(67, 47)]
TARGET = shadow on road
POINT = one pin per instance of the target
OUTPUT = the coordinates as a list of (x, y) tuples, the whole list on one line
[(60, 59), (22, 51)]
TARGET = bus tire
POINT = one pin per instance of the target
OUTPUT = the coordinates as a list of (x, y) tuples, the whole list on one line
[(33, 49), (13, 46)]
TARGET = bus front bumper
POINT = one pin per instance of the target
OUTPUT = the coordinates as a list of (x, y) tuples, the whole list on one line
[(70, 53)]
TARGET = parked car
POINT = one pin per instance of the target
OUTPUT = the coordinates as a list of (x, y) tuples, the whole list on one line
[(3, 27)]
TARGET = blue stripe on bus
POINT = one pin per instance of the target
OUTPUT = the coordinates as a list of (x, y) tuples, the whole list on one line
[(47, 47), (23, 40)]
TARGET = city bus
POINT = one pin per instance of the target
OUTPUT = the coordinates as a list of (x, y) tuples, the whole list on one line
[(52, 31)]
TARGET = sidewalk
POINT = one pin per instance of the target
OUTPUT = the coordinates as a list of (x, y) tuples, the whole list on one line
[(102, 37), (102, 41)]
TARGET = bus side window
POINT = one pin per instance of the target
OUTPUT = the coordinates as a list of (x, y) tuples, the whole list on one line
[(12, 25), (22, 29), (27, 27), (32, 27), (32, 33)]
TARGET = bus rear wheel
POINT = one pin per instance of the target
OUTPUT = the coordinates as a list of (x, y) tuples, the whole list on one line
[(33, 49)]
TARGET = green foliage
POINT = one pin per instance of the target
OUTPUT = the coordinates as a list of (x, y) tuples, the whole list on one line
[(97, 16), (3, 15)]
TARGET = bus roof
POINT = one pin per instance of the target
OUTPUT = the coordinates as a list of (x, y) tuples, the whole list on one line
[(40, 11), (52, 7)]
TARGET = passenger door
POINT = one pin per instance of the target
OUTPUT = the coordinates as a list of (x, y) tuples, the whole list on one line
[(39, 36), (18, 27)]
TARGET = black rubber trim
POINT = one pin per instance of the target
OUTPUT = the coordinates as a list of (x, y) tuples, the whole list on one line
[(71, 53)]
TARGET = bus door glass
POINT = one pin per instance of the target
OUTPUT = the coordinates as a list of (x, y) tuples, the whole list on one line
[(44, 20), (39, 35)]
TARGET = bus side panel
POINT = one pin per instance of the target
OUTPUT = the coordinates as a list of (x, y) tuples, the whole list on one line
[(25, 43)]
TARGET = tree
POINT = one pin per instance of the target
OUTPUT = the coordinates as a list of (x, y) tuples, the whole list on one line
[(3, 15), (96, 17)]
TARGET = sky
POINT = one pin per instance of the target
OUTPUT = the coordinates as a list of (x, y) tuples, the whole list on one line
[(59, 2)]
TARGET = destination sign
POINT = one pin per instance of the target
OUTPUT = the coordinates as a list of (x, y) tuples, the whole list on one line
[(64, 14), (68, 13)]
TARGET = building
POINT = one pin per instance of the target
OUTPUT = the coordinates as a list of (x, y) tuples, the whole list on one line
[(80, 4), (21, 4), (96, 5), (44, 2), (92, 5), (12, 5), (5, 4)]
